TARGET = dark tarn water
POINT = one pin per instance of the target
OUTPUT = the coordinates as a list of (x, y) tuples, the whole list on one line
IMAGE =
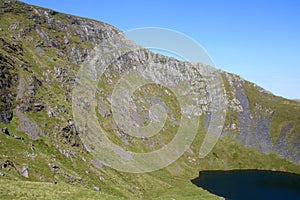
[(250, 184)]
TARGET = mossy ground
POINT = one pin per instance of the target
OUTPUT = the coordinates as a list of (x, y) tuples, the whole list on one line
[(40, 190), (170, 182)]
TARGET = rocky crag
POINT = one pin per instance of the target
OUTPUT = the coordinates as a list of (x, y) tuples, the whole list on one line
[(40, 55)]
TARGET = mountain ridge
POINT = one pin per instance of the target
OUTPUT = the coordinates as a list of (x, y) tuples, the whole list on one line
[(41, 52)]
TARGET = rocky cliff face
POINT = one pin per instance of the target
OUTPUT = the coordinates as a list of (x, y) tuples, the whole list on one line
[(259, 127), (41, 52)]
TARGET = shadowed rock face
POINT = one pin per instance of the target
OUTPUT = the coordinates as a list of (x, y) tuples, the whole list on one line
[(255, 128), (244, 118), (254, 131), (286, 146), (41, 51), (8, 79)]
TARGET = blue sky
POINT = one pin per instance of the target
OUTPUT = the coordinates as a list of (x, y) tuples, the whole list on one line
[(256, 39)]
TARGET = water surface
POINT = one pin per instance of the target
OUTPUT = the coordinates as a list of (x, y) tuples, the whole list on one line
[(250, 184)]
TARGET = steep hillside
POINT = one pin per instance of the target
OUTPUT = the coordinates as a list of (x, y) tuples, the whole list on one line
[(41, 52)]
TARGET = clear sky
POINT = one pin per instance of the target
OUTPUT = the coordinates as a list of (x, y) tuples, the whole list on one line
[(256, 39)]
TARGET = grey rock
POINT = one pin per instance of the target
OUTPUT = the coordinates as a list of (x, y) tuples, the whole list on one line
[(285, 147), (244, 117), (254, 131), (6, 116), (97, 188), (24, 171), (262, 134), (14, 26), (18, 137), (101, 178), (31, 128), (53, 167)]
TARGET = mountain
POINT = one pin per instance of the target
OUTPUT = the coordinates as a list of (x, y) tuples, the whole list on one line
[(41, 147)]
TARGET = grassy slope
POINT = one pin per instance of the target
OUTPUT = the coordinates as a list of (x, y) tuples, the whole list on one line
[(38, 190), (171, 182), (17, 151), (286, 111)]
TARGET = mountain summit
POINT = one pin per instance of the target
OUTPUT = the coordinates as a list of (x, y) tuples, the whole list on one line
[(42, 52)]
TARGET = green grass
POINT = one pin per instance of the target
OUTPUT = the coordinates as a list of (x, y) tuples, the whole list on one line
[(27, 190), (170, 182), (191, 192), (40, 190)]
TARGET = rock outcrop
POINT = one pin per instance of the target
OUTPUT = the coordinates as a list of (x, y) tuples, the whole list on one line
[(41, 52)]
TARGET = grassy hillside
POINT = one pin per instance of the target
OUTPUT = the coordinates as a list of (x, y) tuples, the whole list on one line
[(40, 53)]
